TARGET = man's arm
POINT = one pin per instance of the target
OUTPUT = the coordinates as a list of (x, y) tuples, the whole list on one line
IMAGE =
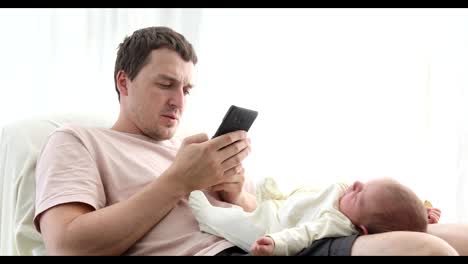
[(235, 194), (78, 229), (247, 201), (75, 228)]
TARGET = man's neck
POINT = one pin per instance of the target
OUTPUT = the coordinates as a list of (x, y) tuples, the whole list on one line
[(124, 124)]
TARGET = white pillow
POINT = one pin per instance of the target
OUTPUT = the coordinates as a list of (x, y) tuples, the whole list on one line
[(20, 145)]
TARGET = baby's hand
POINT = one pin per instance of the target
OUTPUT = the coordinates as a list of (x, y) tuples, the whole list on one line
[(263, 246), (433, 215)]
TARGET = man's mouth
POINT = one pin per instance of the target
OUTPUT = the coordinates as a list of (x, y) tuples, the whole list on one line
[(173, 117)]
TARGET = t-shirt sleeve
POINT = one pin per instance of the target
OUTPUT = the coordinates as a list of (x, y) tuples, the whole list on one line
[(66, 172)]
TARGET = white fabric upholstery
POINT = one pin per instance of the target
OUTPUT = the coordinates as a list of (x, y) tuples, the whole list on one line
[(20, 145)]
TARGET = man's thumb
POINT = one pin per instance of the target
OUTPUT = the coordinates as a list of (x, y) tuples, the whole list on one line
[(198, 138)]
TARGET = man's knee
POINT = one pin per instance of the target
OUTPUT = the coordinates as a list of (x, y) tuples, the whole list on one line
[(402, 244), (435, 246)]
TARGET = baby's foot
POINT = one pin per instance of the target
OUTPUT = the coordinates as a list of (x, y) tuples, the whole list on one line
[(200, 207), (268, 190), (198, 201)]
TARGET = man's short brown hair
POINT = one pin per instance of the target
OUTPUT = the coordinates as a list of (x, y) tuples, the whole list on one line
[(133, 53)]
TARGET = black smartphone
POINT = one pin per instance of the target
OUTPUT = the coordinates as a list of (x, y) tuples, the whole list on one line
[(236, 118)]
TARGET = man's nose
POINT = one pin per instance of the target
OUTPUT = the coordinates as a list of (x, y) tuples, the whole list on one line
[(177, 99)]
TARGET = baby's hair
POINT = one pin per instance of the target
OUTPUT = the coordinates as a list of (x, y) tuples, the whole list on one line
[(399, 209)]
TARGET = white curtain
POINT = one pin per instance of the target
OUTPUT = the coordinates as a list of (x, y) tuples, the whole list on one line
[(62, 60), (342, 94)]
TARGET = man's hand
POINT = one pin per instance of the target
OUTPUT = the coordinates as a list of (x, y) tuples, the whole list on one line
[(201, 163), (231, 189), (264, 246), (247, 201), (433, 215)]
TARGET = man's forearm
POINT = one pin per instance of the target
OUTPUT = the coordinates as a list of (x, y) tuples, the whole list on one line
[(114, 229)]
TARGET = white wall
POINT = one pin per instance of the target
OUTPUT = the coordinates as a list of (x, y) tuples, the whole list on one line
[(342, 94)]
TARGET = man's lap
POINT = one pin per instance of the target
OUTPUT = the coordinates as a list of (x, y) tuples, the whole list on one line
[(333, 246)]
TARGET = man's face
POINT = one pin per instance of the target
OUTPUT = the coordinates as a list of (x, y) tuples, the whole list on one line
[(156, 96)]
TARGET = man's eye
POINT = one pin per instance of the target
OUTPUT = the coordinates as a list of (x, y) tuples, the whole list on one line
[(164, 85), (186, 92)]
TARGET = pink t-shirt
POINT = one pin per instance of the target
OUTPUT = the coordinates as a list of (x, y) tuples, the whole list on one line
[(101, 167)]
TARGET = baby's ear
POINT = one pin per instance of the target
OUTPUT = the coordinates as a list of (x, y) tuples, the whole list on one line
[(363, 229)]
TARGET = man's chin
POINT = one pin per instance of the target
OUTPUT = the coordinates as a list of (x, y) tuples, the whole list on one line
[(166, 135), (170, 132), (162, 134)]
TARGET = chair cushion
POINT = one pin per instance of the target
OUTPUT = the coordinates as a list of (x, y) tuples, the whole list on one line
[(20, 145)]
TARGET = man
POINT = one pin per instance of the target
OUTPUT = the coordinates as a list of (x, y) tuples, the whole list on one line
[(124, 190)]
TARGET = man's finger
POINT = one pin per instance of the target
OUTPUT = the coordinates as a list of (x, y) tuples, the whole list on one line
[(235, 160), (225, 186), (234, 174), (229, 138), (233, 149), (198, 138)]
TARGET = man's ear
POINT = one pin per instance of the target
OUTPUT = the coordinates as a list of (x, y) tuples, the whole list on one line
[(122, 81), (363, 229)]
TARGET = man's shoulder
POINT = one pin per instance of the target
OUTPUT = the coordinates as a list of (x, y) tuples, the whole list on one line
[(74, 132), (78, 130), (77, 127)]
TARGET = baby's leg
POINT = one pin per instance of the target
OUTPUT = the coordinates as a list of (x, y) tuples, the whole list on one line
[(233, 224)]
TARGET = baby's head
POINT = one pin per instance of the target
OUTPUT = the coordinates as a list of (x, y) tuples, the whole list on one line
[(383, 205)]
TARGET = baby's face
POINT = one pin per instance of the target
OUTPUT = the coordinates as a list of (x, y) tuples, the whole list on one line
[(359, 198), (351, 201)]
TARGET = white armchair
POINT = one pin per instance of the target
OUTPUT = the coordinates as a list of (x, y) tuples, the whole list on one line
[(20, 145)]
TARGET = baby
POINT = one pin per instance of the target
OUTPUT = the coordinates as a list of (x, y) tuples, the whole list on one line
[(286, 224)]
